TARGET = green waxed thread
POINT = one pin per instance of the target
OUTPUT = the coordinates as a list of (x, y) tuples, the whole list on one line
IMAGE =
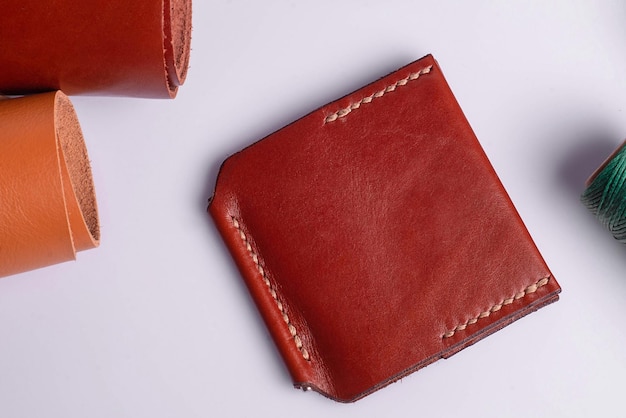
[(605, 195)]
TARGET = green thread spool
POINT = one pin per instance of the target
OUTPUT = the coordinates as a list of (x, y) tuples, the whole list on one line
[(605, 195)]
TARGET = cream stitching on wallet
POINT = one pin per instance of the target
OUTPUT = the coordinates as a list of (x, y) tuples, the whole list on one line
[(343, 112), (266, 280), (495, 308)]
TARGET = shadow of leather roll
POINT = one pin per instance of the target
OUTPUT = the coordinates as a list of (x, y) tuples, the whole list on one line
[(48, 208), (134, 48)]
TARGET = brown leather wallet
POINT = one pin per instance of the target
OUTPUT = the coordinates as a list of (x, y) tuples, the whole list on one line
[(112, 47), (47, 203), (375, 236)]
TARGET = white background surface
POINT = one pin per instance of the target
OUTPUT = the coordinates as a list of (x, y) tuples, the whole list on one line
[(157, 323)]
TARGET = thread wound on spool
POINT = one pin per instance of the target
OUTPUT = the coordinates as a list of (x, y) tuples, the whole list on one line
[(605, 195)]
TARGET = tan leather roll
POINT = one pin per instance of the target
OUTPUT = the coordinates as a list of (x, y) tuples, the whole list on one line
[(112, 47), (48, 208)]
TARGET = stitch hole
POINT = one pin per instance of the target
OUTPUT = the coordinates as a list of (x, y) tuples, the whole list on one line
[(298, 342)]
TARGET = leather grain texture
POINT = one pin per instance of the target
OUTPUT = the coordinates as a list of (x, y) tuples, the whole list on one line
[(48, 208), (375, 237), (110, 47)]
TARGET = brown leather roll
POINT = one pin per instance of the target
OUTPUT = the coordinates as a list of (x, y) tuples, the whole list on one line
[(48, 207), (112, 47)]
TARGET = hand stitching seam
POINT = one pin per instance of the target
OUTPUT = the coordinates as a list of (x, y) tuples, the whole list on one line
[(255, 258), (530, 289), (343, 112)]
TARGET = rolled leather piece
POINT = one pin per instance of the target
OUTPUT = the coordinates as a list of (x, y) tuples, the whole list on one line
[(134, 48), (48, 208)]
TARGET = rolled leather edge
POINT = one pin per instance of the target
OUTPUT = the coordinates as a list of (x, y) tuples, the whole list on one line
[(48, 207), (134, 48)]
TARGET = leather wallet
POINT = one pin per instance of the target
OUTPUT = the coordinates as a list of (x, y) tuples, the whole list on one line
[(112, 47), (375, 237), (48, 208)]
